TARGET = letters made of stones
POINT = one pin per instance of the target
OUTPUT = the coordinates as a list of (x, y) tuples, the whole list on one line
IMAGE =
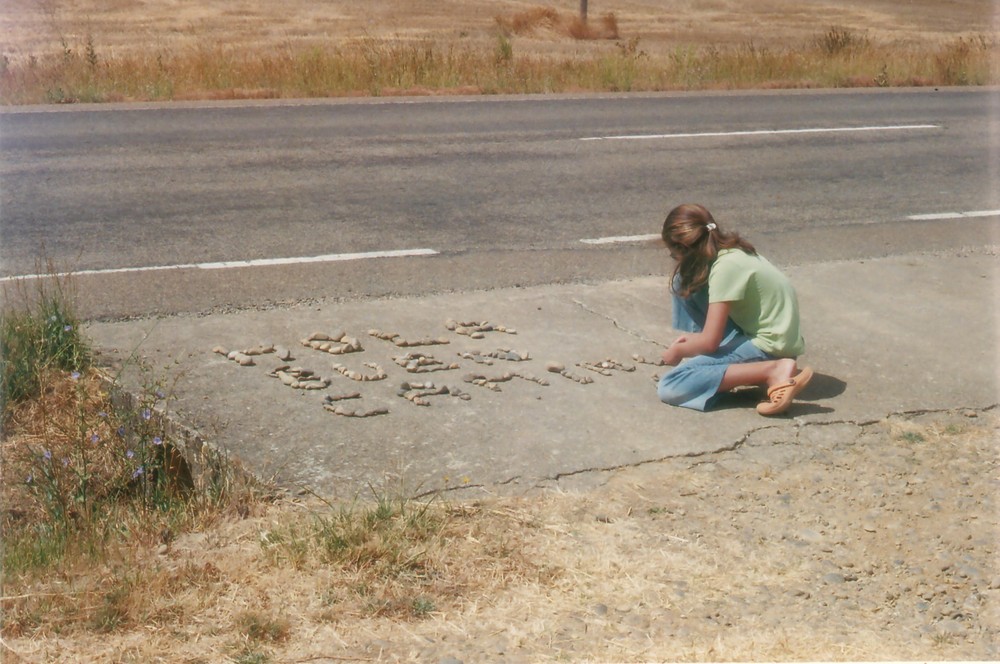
[(415, 392)]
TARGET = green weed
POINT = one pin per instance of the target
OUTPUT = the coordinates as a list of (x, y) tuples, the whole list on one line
[(257, 626), (88, 466), (39, 334)]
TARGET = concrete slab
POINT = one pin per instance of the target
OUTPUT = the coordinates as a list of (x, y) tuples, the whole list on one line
[(889, 335)]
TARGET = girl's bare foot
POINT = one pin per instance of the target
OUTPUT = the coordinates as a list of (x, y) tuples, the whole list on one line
[(782, 372)]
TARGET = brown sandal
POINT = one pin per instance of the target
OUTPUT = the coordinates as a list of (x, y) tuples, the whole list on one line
[(780, 396)]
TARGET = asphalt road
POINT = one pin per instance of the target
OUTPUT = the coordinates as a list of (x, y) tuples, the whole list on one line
[(502, 189)]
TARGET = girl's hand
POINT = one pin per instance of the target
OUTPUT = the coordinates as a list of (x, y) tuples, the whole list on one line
[(673, 355)]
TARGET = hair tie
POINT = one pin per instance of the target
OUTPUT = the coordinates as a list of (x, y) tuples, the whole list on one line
[(711, 226)]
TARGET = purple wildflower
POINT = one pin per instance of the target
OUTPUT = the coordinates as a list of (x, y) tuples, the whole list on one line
[(48, 455), (67, 328), (94, 438), (129, 454), (146, 413), (137, 473), (75, 375), (157, 440)]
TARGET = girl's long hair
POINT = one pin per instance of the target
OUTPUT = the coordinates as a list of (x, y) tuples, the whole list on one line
[(695, 246)]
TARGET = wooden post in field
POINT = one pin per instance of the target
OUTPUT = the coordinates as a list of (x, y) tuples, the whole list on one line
[(583, 10)]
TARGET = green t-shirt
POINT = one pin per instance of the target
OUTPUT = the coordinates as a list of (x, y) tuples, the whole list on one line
[(763, 302)]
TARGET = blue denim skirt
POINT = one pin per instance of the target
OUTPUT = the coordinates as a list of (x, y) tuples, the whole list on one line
[(694, 383)]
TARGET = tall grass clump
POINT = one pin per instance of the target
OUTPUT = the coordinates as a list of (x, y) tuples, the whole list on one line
[(38, 336), (389, 545), (92, 474)]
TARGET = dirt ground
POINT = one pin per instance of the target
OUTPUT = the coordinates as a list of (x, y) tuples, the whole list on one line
[(840, 541), (38, 27)]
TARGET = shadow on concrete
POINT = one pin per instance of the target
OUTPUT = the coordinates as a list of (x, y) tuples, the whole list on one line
[(823, 387)]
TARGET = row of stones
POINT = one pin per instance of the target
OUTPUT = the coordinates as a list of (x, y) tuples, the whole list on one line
[(339, 343)]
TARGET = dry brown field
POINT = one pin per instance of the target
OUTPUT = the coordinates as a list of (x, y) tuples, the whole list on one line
[(40, 27), (134, 50)]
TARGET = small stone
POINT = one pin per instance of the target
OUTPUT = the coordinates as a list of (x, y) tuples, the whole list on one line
[(809, 536), (969, 572), (244, 360), (950, 627), (970, 413), (972, 603), (283, 353), (220, 350), (555, 367), (834, 578)]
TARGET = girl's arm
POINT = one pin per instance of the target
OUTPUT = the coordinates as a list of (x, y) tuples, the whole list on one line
[(704, 342)]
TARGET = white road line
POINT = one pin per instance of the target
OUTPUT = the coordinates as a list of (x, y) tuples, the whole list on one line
[(225, 265), (954, 215), (762, 132), (620, 238)]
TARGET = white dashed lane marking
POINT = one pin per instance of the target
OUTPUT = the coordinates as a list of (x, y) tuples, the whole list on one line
[(762, 132), (954, 215), (226, 265)]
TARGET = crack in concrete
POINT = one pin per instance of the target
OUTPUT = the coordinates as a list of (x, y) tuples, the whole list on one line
[(735, 445), (615, 322)]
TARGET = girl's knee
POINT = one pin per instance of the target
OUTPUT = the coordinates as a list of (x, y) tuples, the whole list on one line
[(669, 388)]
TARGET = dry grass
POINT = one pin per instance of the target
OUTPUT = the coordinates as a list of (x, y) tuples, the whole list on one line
[(54, 51), (547, 22), (688, 560)]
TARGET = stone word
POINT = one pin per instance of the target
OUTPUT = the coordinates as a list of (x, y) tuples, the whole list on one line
[(357, 375), (239, 357), (556, 367), (475, 329), (415, 393), (337, 343), (299, 378), (349, 412), (404, 343), (331, 398), (641, 360), (498, 354), (416, 362), (491, 383), (604, 367), (245, 357)]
